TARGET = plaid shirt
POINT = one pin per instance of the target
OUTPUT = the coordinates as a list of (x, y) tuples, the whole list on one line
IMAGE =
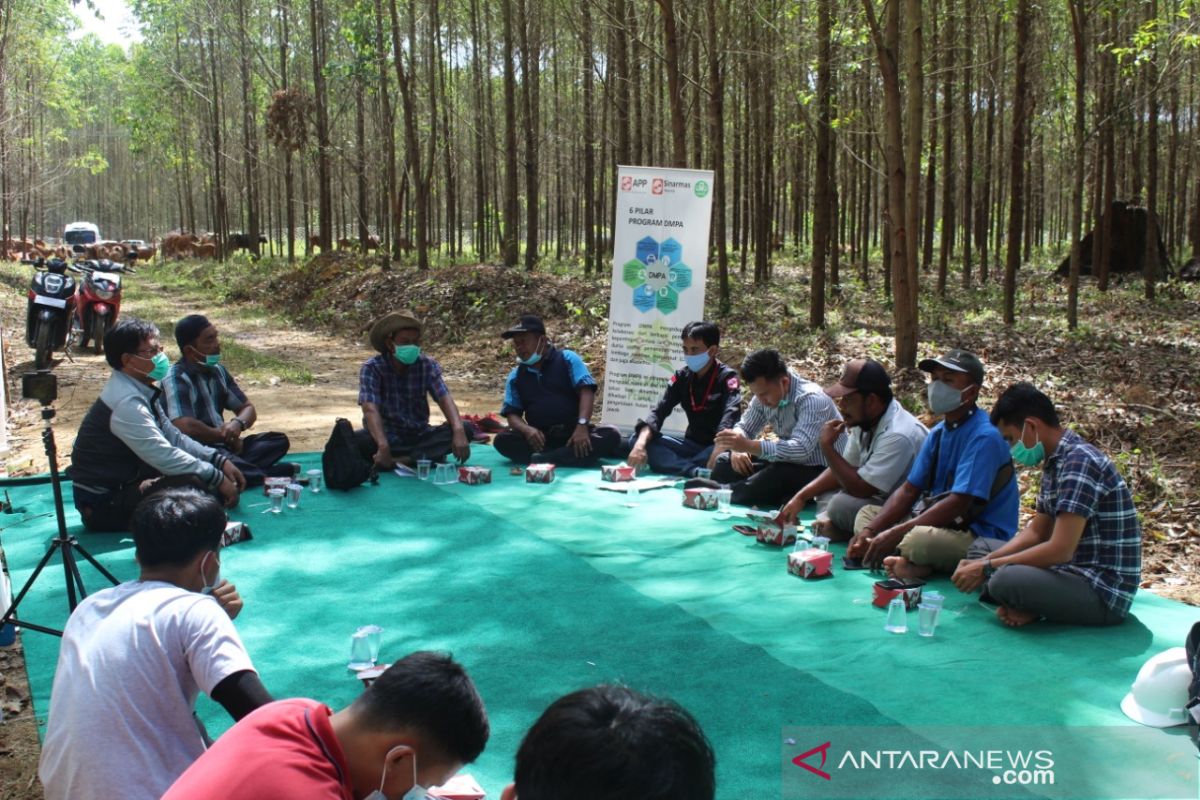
[(401, 397), (797, 423), (1079, 479), (202, 394)]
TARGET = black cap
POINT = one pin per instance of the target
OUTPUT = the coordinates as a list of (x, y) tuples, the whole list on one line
[(861, 375), (959, 361), (528, 323), (188, 329)]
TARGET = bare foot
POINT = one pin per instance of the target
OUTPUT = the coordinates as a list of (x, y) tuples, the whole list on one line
[(901, 567), (1014, 618)]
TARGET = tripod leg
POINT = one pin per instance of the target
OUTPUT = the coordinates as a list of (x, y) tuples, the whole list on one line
[(99, 567), (74, 579), (12, 609)]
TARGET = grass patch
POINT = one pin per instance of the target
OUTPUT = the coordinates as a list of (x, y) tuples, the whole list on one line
[(248, 363)]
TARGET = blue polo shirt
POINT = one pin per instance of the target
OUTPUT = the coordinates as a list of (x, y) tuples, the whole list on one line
[(971, 452), (547, 393)]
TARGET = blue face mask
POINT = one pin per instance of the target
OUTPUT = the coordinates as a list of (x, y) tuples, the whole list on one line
[(210, 359), (533, 359), (697, 362), (943, 398), (407, 354), (160, 366), (1027, 456)]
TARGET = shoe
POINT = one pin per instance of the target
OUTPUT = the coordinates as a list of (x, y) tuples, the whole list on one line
[(701, 483), (490, 424)]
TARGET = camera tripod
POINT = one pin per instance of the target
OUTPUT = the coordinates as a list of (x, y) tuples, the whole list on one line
[(63, 542)]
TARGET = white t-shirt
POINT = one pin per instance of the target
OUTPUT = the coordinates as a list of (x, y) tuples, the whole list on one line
[(885, 456), (132, 661)]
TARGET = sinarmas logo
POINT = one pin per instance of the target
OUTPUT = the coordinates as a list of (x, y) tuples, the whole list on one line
[(823, 749)]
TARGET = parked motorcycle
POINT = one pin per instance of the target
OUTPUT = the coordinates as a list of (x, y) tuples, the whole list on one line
[(50, 308), (97, 301)]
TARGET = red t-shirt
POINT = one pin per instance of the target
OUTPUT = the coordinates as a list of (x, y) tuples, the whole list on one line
[(286, 749)]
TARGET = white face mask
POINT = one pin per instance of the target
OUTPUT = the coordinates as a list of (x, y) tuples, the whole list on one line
[(417, 792), (207, 588)]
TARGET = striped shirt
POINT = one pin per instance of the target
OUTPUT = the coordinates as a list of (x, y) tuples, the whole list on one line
[(797, 421), (1079, 479), (204, 394)]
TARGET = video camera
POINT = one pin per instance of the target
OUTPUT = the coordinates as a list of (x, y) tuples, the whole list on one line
[(41, 386)]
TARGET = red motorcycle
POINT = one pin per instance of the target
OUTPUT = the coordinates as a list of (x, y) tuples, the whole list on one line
[(97, 301)]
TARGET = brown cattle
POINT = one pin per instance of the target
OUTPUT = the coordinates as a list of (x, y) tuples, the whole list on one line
[(145, 253), (206, 250), (372, 242)]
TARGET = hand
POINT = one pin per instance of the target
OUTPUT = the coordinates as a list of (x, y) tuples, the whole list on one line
[(227, 595), (732, 440), (637, 456), (535, 438), (234, 474), (460, 446), (741, 464), (969, 575), (830, 432), (787, 515), (857, 548), (236, 446), (231, 431), (383, 458), (229, 493), (581, 441), (883, 545)]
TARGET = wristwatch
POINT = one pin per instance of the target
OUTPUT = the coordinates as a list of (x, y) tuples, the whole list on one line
[(581, 421), (988, 569)]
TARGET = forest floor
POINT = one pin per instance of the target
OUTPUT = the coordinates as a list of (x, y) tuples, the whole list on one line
[(1127, 379)]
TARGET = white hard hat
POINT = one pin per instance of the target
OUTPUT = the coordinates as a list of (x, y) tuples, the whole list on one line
[(1160, 691)]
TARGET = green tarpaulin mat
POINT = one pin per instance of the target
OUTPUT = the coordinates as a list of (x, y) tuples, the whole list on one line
[(543, 589)]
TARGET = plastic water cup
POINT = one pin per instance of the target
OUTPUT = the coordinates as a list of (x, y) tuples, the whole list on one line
[(423, 469), (276, 496), (821, 542), (927, 618), (446, 474), (374, 635), (631, 494), (724, 498), (933, 599), (360, 650), (294, 490), (897, 616), (704, 473), (314, 480)]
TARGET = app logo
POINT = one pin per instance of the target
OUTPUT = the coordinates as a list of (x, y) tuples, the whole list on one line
[(823, 749), (656, 186)]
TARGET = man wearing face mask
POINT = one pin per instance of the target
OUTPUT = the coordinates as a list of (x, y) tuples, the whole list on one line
[(883, 442), (548, 402), (198, 390), (709, 393), (766, 472), (414, 727), (1079, 559), (394, 389), (127, 447), (135, 656), (963, 477)]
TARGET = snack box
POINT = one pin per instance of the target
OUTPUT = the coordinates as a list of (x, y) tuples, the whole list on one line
[(474, 475), (886, 590), (810, 563), (275, 483), (539, 473), (235, 532), (617, 473), (774, 534), (460, 787), (702, 499)]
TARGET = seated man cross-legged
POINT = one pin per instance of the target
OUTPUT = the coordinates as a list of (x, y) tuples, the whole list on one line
[(767, 472), (548, 401), (963, 478), (134, 657), (1078, 561), (707, 390), (883, 442), (394, 389), (198, 390)]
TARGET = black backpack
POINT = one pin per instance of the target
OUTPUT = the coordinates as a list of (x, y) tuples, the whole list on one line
[(343, 463), (1193, 657)]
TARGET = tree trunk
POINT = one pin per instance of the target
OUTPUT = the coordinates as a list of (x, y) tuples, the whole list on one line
[(821, 194), (317, 26), (1079, 34), (511, 203), (530, 83), (1152, 235), (412, 145), (716, 124), (1012, 255), (671, 48)]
